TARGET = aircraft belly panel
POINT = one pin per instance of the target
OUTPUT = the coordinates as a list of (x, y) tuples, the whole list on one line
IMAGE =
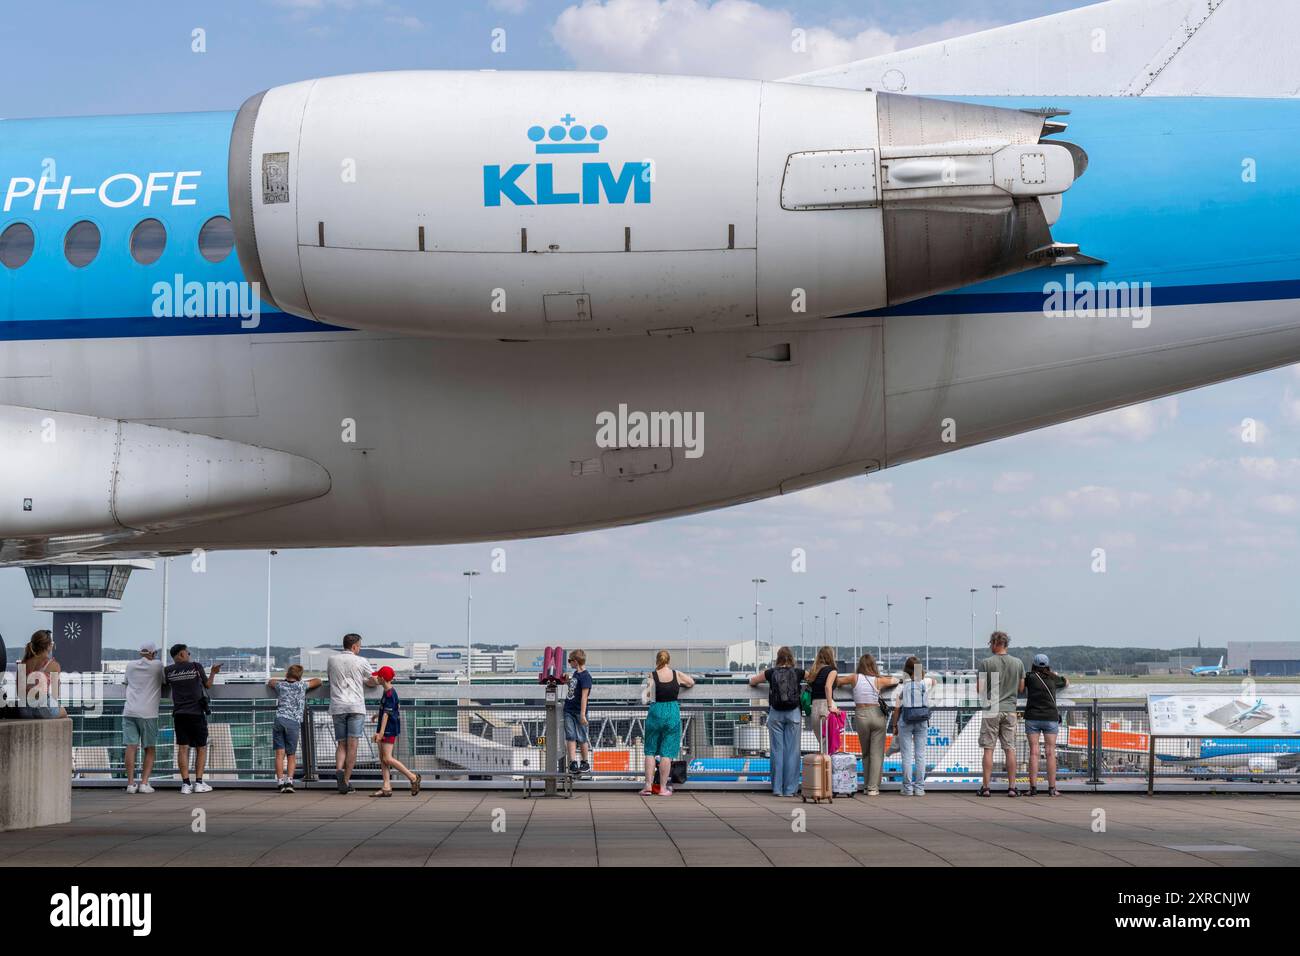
[(430, 441), (155, 379), (1000, 374)]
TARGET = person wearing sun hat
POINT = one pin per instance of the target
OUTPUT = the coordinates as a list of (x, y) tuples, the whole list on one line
[(389, 728)]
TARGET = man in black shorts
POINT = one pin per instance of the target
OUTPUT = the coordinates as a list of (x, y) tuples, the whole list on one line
[(188, 684)]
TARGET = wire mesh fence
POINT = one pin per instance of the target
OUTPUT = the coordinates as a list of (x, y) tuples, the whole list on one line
[(722, 743)]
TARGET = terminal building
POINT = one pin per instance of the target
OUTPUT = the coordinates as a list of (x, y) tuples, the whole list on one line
[(631, 658), (1265, 658), (315, 659)]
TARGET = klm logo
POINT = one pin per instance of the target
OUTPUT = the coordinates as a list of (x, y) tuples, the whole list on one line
[(596, 183)]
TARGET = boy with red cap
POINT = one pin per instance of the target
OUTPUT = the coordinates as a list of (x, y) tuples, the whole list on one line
[(386, 734)]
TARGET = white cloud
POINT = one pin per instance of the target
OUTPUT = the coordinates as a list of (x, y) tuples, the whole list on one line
[(1012, 481), (1279, 504), (951, 484), (1133, 423), (509, 6), (406, 22), (851, 498), (1290, 405), (1089, 501), (1182, 500), (720, 38)]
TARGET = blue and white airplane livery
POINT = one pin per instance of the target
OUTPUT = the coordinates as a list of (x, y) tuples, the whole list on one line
[(405, 308)]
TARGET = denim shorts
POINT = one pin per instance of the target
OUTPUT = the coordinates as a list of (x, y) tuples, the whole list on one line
[(1035, 727), (348, 725), (284, 735), (574, 728)]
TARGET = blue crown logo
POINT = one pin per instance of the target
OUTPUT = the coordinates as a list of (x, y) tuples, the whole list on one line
[(568, 136)]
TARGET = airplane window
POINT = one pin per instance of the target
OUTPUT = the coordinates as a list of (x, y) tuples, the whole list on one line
[(216, 239), (16, 244), (81, 244), (148, 239)]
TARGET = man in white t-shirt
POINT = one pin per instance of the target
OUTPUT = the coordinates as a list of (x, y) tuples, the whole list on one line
[(349, 675), (144, 682)]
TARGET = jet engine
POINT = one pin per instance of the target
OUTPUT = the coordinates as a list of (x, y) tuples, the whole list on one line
[(528, 205)]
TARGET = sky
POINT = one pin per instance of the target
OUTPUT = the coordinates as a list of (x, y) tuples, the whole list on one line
[(1199, 525)]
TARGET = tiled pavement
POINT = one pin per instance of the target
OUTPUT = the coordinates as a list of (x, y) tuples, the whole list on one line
[(456, 828)]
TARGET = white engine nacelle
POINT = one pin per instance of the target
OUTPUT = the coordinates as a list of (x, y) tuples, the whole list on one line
[(566, 204), (1262, 764)]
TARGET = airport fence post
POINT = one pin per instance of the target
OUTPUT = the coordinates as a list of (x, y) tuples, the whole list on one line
[(1094, 741), (1151, 763), (308, 746)]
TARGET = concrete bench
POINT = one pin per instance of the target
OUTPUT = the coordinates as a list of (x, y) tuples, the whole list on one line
[(36, 781)]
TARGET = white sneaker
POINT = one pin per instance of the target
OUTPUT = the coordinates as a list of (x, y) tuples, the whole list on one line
[(201, 787), (130, 788), (145, 788), (186, 789)]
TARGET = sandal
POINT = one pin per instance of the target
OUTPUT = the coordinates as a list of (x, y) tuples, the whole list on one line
[(381, 793), (1053, 792), (1033, 791), (647, 792), (1013, 792), (984, 792), (415, 784), (665, 791)]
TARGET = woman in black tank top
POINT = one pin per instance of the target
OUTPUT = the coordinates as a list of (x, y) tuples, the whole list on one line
[(666, 690)]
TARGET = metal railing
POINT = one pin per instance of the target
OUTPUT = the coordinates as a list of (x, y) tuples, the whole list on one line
[(1198, 759), (725, 744)]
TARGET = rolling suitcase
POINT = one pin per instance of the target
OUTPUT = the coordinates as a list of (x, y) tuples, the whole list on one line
[(816, 784), (844, 774)]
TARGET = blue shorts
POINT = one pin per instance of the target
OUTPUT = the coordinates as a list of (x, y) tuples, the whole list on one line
[(1035, 727), (284, 735), (349, 725), (574, 728)]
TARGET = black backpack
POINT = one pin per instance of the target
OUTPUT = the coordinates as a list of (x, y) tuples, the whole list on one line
[(784, 693)]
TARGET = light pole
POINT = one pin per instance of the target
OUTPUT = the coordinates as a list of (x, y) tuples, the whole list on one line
[(167, 566), (853, 598), (861, 637), (469, 625), (757, 605), (686, 623), (269, 556), (927, 633), (816, 620), (801, 639), (889, 632), (997, 615), (880, 646), (972, 627), (824, 619), (837, 635), (771, 631)]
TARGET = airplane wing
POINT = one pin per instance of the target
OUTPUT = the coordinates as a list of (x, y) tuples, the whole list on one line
[(1118, 48)]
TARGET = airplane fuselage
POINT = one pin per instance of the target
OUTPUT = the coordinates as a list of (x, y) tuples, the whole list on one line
[(1189, 203)]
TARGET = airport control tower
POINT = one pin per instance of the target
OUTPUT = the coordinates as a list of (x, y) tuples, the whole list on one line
[(80, 595)]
